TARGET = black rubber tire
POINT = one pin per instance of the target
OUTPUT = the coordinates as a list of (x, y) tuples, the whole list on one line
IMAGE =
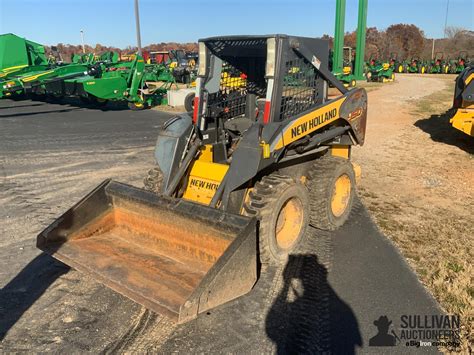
[(265, 202), (98, 102), (54, 99), (85, 100), (154, 180), (189, 102), (132, 106), (320, 181)]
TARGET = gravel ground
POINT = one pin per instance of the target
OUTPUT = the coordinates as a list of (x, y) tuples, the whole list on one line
[(324, 300)]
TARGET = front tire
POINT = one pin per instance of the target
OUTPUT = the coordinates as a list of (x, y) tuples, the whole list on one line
[(154, 180), (331, 182), (282, 207)]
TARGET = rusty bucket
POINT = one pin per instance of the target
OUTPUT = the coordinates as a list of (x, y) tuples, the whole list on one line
[(174, 257)]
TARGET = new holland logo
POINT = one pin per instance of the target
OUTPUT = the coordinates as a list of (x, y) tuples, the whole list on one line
[(201, 184), (304, 127)]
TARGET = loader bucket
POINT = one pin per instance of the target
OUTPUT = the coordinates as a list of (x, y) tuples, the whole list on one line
[(174, 257)]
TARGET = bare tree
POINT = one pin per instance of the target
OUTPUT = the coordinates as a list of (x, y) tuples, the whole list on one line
[(452, 32)]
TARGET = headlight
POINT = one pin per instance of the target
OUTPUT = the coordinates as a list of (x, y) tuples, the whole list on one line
[(271, 57), (202, 59)]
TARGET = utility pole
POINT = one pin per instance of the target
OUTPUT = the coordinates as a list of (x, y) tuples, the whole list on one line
[(82, 41), (432, 50), (137, 23), (446, 19)]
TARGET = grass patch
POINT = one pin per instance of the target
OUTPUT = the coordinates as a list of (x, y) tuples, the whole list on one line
[(436, 102)]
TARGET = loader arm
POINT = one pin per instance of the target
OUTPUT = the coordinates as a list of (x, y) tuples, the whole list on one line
[(350, 111)]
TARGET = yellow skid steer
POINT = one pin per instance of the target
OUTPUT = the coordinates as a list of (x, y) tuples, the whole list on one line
[(463, 103), (236, 183)]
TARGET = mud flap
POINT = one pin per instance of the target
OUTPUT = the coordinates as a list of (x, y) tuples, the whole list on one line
[(174, 257)]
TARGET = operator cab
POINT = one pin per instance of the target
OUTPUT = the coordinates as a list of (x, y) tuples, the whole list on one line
[(236, 84)]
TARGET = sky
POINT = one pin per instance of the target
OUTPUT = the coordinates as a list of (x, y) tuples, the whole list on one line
[(112, 23)]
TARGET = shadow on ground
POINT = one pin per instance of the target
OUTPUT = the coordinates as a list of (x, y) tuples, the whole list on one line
[(308, 316), (22, 114), (440, 130), (70, 101), (26, 288)]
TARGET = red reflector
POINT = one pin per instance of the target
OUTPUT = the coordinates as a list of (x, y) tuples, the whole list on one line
[(266, 112), (196, 108)]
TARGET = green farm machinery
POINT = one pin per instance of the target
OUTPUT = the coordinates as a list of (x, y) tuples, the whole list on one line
[(35, 82), (378, 71), (347, 74), (19, 56), (416, 65), (135, 82), (17, 53), (438, 65), (96, 80), (458, 65), (86, 58)]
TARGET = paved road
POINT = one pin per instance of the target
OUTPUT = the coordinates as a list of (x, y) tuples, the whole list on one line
[(324, 300)]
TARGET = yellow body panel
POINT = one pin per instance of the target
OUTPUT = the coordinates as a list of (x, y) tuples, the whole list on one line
[(309, 123), (206, 153), (342, 151), (464, 120), (204, 179), (469, 79)]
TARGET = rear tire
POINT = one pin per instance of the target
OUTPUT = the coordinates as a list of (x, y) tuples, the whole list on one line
[(331, 182), (282, 207), (154, 180), (189, 102)]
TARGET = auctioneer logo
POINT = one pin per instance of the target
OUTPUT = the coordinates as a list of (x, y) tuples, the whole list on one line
[(418, 330)]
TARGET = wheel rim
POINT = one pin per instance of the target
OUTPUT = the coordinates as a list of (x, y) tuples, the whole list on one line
[(340, 195), (138, 104), (289, 223), (400, 68)]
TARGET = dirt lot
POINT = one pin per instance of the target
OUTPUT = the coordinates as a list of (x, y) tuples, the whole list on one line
[(418, 175), (417, 184)]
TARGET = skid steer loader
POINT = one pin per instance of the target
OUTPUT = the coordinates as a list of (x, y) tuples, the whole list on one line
[(237, 180), (463, 103)]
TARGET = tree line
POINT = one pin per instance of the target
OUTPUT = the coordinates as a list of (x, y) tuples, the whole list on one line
[(406, 41), (403, 41)]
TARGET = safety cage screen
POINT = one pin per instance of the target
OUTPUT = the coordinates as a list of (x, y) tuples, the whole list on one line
[(230, 100), (243, 73), (300, 88)]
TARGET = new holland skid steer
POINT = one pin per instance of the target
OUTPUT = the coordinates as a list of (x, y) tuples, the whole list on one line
[(238, 180)]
